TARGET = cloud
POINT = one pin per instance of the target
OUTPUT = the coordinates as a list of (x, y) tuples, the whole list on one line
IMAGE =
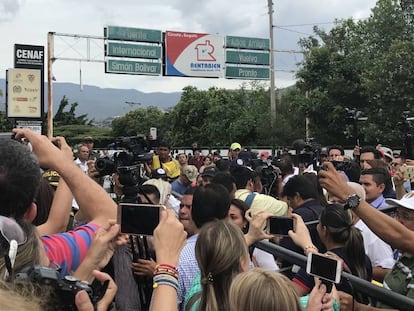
[(9, 9), (28, 22)]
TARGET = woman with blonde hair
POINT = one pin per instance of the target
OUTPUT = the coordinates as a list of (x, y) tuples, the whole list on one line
[(261, 290), (221, 253)]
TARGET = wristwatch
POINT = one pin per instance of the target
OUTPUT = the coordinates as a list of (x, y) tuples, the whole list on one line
[(352, 201)]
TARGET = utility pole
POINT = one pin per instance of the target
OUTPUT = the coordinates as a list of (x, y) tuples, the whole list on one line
[(50, 60), (272, 70)]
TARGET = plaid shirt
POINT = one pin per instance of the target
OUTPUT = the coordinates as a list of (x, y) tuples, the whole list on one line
[(187, 269)]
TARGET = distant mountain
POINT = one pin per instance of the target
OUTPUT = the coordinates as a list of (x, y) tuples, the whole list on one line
[(101, 103)]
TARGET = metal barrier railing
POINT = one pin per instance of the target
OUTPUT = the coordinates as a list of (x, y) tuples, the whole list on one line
[(388, 297)]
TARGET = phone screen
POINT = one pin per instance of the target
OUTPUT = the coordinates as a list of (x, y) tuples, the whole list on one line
[(323, 267), (280, 225), (138, 219)]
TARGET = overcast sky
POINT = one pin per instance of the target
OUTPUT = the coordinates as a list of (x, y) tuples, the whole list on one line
[(29, 21)]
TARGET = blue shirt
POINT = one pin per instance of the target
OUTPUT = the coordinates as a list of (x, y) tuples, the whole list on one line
[(187, 269), (179, 187), (379, 202)]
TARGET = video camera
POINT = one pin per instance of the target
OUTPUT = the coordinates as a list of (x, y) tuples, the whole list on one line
[(268, 174), (307, 151), (65, 289), (128, 163)]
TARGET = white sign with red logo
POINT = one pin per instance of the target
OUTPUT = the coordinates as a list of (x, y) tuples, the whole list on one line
[(194, 54), (24, 93)]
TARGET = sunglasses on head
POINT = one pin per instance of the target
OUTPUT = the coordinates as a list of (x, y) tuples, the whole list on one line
[(13, 235)]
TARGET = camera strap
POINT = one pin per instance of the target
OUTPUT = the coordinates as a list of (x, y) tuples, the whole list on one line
[(249, 199)]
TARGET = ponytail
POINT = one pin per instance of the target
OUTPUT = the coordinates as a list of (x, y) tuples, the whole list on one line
[(355, 252)]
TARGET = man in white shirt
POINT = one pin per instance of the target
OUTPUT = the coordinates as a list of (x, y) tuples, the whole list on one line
[(83, 156), (82, 162), (379, 252)]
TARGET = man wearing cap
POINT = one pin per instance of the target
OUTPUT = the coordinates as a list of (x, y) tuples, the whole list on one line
[(207, 175), (187, 176), (387, 154), (52, 177), (235, 149), (398, 233), (400, 278)]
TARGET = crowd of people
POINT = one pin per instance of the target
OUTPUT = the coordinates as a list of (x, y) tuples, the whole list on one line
[(62, 246)]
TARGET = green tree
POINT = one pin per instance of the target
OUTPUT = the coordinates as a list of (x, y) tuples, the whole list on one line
[(365, 65), (217, 117), (74, 128), (139, 121), (69, 117)]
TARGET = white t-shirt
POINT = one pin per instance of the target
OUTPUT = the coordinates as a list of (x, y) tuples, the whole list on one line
[(84, 167), (379, 252)]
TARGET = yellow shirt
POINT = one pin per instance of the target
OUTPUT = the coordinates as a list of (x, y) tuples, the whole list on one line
[(172, 167)]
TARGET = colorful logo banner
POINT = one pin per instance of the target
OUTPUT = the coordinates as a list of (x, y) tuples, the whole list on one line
[(194, 55)]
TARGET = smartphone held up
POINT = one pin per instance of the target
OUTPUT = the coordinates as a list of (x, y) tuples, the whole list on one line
[(326, 268), (139, 219), (280, 225)]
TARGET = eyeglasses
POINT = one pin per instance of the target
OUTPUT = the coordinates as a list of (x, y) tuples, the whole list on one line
[(185, 205)]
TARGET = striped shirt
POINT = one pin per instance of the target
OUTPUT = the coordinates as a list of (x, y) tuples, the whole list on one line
[(68, 249)]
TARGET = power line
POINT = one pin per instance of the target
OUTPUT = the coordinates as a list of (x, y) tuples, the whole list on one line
[(312, 24), (299, 32), (321, 23)]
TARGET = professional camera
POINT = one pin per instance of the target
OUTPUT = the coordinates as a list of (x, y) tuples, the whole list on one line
[(127, 163), (307, 151), (268, 174), (65, 289)]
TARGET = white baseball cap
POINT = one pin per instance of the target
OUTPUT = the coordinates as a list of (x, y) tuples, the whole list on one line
[(406, 201)]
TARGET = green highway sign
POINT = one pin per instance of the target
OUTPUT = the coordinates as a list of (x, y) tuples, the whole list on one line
[(243, 57), (132, 34), (133, 50), (247, 43), (250, 73), (132, 67)]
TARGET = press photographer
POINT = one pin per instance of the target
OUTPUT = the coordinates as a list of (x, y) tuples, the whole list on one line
[(129, 164)]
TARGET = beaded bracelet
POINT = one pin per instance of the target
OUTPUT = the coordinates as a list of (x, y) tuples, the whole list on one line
[(169, 272), (165, 280), (164, 265)]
